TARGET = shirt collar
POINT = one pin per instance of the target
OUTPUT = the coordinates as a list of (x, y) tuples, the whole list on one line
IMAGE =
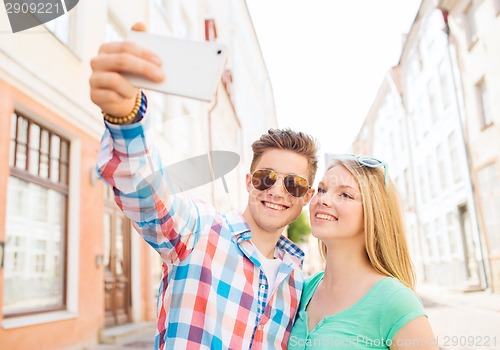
[(286, 250)]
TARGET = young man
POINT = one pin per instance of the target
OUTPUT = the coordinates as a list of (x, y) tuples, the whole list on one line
[(230, 280)]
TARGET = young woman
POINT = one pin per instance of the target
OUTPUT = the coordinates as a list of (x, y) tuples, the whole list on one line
[(364, 298)]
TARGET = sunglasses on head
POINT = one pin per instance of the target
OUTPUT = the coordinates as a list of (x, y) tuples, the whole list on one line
[(369, 162), (296, 185)]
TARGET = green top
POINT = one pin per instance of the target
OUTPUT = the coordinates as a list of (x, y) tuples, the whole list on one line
[(371, 323)]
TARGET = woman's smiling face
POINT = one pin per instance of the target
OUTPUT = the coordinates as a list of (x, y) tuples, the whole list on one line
[(336, 211)]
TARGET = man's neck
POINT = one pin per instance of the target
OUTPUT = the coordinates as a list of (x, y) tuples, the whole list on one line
[(265, 241), (265, 245)]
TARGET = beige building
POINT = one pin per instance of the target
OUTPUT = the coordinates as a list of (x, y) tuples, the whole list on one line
[(72, 265), (385, 134), (474, 33), (435, 121)]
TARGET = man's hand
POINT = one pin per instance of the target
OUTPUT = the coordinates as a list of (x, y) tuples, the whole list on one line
[(108, 88)]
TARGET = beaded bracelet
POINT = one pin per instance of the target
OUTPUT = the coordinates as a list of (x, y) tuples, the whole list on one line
[(127, 118)]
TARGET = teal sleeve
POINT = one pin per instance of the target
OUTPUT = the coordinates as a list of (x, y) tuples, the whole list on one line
[(400, 308)]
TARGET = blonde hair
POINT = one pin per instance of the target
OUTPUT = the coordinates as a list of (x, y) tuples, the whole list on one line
[(385, 237), (287, 139)]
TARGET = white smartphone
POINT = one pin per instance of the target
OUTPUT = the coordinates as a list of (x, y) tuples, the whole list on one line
[(192, 68)]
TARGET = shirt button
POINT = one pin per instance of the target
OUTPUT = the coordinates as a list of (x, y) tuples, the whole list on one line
[(262, 287), (260, 327)]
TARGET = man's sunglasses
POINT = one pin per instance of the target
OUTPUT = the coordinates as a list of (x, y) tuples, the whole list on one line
[(295, 185), (369, 162)]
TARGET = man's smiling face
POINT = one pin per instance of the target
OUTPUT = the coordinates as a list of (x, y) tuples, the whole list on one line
[(272, 209)]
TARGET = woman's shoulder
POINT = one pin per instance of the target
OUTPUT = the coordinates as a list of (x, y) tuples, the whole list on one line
[(392, 282), (392, 287), (401, 304), (396, 298)]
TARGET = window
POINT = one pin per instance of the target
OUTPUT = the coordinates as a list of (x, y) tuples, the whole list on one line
[(409, 187), (434, 108), (429, 241), (402, 139), (425, 115), (420, 54), (415, 67), (489, 189), (424, 189), (485, 112), (113, 31), (470, 25), (441, 240), (452, 233), (454, 158), (61, 27), (35, 250), (442, 167), (160, 3), (165, 7), (431, 177), (444, 79), (413, 243)]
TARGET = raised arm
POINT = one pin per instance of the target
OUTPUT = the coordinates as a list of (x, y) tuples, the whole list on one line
[(129, 161), (108, 88)]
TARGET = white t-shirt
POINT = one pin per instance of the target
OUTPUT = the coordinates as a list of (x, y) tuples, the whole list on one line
[(270, 268)]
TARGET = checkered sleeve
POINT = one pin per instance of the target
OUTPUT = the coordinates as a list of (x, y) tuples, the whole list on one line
[(129, 162)]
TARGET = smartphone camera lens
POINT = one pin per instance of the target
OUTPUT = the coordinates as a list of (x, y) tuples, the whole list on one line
[(219, 52)]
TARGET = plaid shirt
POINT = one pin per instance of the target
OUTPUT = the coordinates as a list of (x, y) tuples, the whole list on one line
[(213, 294)]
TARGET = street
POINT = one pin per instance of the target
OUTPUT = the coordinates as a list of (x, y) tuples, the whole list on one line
[(464, 327), (461, 321), (460, 324)]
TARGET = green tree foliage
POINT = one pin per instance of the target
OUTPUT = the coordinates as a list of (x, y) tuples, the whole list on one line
[(299, 230)]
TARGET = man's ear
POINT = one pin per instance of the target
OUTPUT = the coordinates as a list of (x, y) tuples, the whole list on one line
[(248, 182), (308, 196)]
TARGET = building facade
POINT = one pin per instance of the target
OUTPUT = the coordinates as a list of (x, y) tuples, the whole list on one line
[(419, 124), (474, 34), (385, 133), (72, 264)]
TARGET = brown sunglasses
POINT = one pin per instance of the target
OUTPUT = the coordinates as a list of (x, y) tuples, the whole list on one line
[(295, 185)]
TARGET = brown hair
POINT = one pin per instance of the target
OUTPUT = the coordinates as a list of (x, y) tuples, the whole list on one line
[(385, 236), (288, 139)]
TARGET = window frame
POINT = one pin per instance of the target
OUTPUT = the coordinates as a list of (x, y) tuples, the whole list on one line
[(471, 30), (71, 17), (484, 190), (484, 106), (63, 188)]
